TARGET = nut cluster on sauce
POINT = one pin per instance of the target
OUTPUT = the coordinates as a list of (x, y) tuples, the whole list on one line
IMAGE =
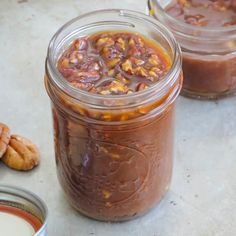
[(113, 63), (16, 151), (204, 12)]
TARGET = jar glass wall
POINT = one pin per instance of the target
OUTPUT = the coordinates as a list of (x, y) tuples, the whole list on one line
[(209, 54), (114, 154)]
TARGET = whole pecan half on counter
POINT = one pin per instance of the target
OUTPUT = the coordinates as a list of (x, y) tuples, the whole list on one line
[(4, 138), (21, 154)]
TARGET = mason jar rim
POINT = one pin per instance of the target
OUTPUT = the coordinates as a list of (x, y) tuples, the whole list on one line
[(65, 86), (30, 197), (205, 29)]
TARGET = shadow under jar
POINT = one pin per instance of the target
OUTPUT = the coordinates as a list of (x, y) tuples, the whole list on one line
[(209, 51), (113, 152)]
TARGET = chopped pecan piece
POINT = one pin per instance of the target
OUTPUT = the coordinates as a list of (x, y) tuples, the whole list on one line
[(184, 3), (118, 87), (131, 42), (111, 72), (152, 73), (127, 66), (154, 60), (105, 42), (219, 5), (106, 194), (122, 79), (137, 61), (81, 44), (196, 20), (105, 92), (121, 44), (93, 90), (141, 86), (64, 62), (108, 204), (156, 70), (141, 71), (113, 62), (87, 77)]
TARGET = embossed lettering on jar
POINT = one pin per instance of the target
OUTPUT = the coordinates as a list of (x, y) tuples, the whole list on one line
[(113, 111)]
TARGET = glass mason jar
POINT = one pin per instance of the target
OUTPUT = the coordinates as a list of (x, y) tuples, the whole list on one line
[(113, 153), (209, 54)]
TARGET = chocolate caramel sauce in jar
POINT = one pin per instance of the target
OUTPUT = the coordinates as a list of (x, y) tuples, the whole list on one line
[(113, 83), (206, 32)]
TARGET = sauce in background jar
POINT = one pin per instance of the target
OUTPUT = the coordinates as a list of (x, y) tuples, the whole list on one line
[(113, 113), (206, 31)]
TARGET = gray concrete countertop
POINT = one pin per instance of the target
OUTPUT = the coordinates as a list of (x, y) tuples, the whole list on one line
[(202, 198)]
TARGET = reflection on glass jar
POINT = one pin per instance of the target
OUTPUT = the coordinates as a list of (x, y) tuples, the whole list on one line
[(114, 154), (209, 50)]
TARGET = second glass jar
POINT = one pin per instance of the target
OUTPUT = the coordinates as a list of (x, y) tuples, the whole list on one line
[(209, 54)]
